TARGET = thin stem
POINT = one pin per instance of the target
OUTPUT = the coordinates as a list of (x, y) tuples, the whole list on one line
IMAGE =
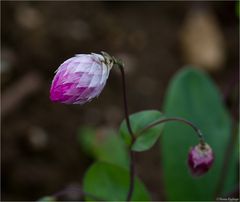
[(133, 137), (125, 100), (132, 174), (131, 153), (196, 129)]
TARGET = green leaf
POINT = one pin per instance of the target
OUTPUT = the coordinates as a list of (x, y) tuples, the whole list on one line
[(193, 96), (104, 145), (138, 121), (111, 183)]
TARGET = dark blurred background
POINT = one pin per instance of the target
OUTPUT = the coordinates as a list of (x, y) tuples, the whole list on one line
[(40, 154)]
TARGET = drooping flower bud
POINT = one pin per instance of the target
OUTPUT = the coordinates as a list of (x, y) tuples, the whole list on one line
[(200, 159), (81, 78)]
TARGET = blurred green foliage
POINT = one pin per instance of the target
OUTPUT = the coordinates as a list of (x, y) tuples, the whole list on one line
[(111, 183), (104, 145), (193, 96)]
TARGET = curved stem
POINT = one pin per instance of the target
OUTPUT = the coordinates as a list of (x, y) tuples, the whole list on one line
[(196, 129), (133, 137), (131, 153), (125, 100)]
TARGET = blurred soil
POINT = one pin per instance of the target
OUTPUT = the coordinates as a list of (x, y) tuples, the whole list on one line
[(40, 154)]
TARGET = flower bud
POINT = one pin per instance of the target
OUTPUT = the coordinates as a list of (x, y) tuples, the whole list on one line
[(200, 159), (80, 79)]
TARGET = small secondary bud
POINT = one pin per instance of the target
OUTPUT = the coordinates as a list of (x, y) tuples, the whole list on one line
[(80, 79), (200, 159)]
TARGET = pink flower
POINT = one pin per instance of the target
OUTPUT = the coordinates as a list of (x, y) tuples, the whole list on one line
[(200, 159), (80, 79)]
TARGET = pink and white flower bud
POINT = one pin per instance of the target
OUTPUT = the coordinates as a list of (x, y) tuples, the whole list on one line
[(200, 159), (80, 79)]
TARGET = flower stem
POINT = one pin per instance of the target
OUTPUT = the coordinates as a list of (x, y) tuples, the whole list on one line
[(196, 129), (131, 153), (125, 100), (132, 174)]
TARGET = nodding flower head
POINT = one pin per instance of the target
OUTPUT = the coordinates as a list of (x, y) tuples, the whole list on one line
[(81, 78), (200, 159)]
